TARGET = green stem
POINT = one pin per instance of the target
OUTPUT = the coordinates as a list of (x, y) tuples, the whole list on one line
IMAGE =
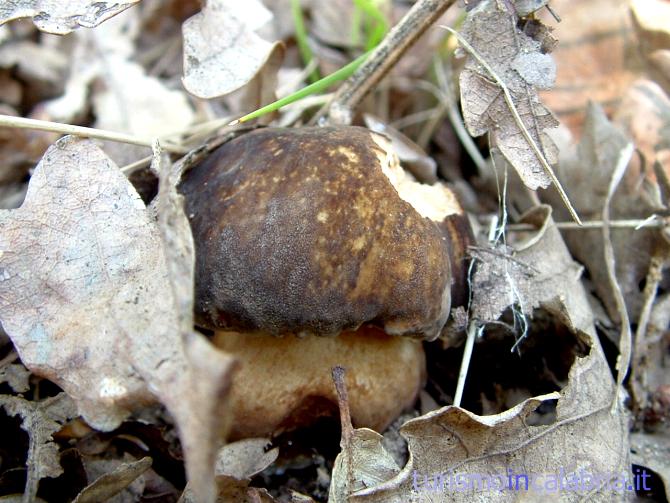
[(316, 87)]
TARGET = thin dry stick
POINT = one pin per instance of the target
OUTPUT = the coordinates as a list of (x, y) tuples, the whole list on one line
[(637, 375), (519, 121), (594, 224), (625, 340), (338, 373), (400, 38), (129, 169), (101, 134)]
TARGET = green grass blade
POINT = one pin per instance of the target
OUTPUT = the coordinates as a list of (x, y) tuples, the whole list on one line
[(316, 87)]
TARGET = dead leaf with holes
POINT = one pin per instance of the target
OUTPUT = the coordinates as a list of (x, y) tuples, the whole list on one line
[(222, 51), (40, 420), (456, 455), (62, 17), (533, 274), (93, 297), (518, 61)]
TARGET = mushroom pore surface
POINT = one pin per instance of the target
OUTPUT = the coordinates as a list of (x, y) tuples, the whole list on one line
[(302, 231)]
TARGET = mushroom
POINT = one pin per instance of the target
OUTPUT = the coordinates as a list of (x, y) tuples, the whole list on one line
[(315, 232)]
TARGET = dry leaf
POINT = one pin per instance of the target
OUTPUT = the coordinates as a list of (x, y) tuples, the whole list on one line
[(516, 59), (245, 458), (363, 463), (644, 114), (62, 17), (16, 376), (236, 463), (123, 96), (652, 23), (112, 483), (585, 437), (40, 420), (20, 55), (638, 197), (222, 52), (526, 7), (86, 297), (332, 22), (136, 103), (363, 460), (539, 273)]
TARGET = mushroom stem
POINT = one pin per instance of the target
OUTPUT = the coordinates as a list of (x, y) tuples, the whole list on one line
[(284, 383), (400, 38)]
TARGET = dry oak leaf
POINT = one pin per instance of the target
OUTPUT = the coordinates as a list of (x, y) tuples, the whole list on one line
[(363, 462), (87, 299), (113, 482), (62, 17), (586, 173), (517, 60), (222, 52), (585, 437), (539, 273), (40, 420)]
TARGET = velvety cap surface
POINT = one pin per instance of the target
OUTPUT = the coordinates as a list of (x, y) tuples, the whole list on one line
[(300, 230)]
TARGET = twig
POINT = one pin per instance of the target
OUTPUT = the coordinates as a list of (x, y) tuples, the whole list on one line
[(594, 224), (338, 373), (101, 134), (519, 122), (637, 373), (400, 38), (625, 340), (129, 169)]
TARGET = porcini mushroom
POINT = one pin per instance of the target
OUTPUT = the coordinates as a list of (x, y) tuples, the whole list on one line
[(320, 232)]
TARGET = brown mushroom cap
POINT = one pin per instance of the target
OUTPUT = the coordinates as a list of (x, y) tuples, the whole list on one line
[(302, 230)]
